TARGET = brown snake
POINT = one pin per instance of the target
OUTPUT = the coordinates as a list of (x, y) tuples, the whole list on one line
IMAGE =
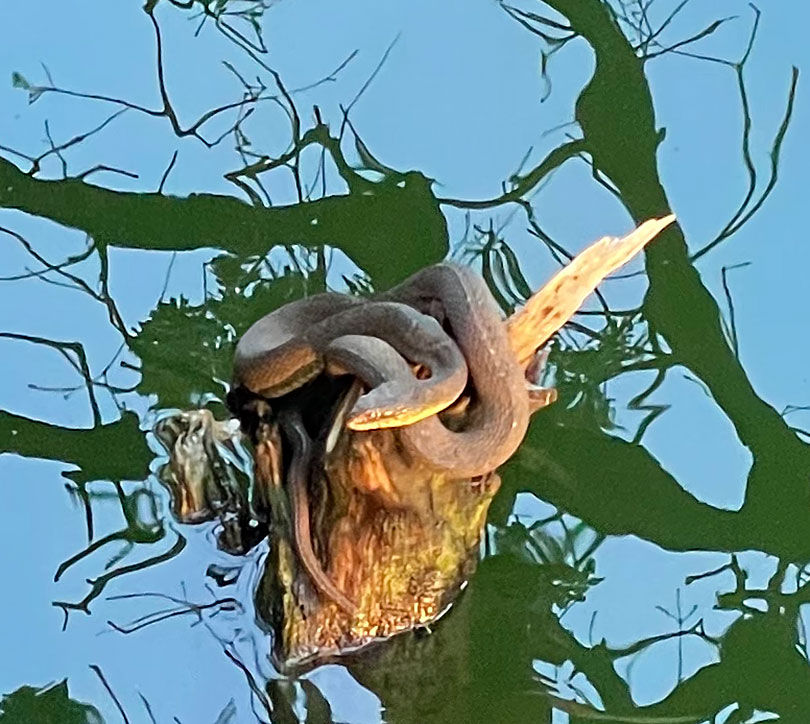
[(288, 347), (293, 428)]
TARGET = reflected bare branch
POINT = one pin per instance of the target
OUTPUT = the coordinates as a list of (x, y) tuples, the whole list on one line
[(748, 207), (97, 670), (182, 607), (78, 362), (97, 585), (521, 185)]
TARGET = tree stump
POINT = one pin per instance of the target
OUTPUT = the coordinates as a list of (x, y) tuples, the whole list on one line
[(394, 536)]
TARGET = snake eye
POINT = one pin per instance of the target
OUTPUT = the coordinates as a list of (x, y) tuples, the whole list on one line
[(422, 372)]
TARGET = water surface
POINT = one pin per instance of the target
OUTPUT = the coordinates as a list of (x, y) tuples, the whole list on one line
[(646, 555)]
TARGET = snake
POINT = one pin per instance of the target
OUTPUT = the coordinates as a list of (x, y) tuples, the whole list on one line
[(292, 425), (295, 343)]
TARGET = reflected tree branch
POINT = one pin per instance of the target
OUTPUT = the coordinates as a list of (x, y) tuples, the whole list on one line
[(75, 282), (24, 436), (653, 34), (97, 585), (97, 670), (181, 608), (155, 221), (745, 212), (524, 184), (705, 33), (36, 162), (136, 530), (79, 363), (626, 154)]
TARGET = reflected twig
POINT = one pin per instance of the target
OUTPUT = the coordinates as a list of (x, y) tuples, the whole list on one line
[(98, 584), (184, 607), (134, 532), (148, 707), (255, 688), (533, 22), (706, 32), (748, 207), (36, 161), (525, 183), (103, 167), (654, 411), (371, 77), (166, 173), (79, 363), (733, 565), (730, 327), (653, 35), (97, 670), (75, 281)]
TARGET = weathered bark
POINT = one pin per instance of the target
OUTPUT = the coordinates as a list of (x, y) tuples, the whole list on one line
[(400, 540)]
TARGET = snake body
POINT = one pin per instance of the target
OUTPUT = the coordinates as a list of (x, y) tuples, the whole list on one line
[(499, 416), (298, 471), (288, 347), (372, 340)]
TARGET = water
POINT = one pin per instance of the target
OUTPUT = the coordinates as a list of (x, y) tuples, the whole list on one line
[(669, 456)]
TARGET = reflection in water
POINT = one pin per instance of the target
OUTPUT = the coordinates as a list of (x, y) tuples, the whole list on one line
[(49, 705), (608, 592)]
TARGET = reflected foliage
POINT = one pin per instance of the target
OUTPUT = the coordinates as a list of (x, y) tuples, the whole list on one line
[(168, 375), (596, 476), (49, 705)]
